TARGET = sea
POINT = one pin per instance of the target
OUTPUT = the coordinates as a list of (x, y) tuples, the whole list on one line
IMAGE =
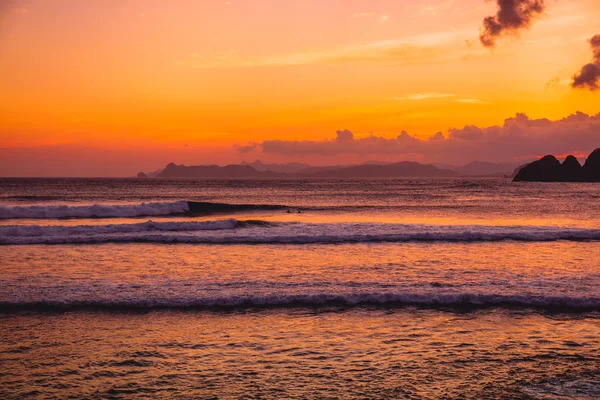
[(299, 289)]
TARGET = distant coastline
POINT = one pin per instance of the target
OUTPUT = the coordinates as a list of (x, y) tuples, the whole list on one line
[(405, 169)]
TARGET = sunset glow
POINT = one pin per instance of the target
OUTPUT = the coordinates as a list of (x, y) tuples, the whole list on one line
[(186, 81), (311, 199)]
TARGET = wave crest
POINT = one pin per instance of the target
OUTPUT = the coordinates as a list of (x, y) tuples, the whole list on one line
[(94, 211), (130, 210), (264, 232), (50, 231), (456, 300)]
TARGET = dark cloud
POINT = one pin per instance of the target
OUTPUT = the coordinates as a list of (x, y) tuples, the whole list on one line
[(589, 76), (518, 138), (512, 15), (595, 43), (438, 136), (245, 148), (469, 132), (344, 136)]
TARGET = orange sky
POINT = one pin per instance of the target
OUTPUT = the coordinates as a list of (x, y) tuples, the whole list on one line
[(134, 84)]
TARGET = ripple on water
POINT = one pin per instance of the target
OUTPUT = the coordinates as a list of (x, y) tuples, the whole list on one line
[(580, 389)]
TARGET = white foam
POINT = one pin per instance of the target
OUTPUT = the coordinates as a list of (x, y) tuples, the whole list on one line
[(93, 211), (47, 232), (222, 232)]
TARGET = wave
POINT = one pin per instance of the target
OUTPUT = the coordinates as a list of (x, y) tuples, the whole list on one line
[(94, 211), (128, 211), (202, 207), (264, 232), (456, 300), (47, 231), (33, 197)]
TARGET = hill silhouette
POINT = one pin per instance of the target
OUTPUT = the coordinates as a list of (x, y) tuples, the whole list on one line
[(549, 169)]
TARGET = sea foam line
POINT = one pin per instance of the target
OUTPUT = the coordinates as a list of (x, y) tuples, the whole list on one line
[(455, 300), (66, 231), (130, 210), (94, 211), (262, 232)]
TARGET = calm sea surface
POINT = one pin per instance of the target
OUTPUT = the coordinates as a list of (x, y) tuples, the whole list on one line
[(416, 289)]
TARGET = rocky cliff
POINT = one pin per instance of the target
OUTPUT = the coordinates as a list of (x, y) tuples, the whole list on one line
[(549, 169)]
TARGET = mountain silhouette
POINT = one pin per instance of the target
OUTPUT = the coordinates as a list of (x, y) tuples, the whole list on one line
[(549, 169)]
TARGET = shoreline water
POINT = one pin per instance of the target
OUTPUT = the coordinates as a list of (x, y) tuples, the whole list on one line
[(409, 353), (386, 289)]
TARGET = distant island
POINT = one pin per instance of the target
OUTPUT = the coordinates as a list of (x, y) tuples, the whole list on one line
[(549, 169), (213, 171), (369, 169)]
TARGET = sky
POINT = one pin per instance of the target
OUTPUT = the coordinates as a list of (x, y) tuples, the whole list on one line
[(110, 88)]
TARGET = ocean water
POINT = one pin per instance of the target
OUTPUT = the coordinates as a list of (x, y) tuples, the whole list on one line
[(416, 289)]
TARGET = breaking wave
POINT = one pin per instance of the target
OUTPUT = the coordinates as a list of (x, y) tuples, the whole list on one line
[(128, 211), (264, 232), (94, 211), (47, 231), (456, 300)]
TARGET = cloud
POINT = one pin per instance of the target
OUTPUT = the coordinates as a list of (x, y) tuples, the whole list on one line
[(424, 96), (245, 148), (437, 136), (469, 132), (589, 76), (363, 15), (435, 95), (471, 101), (512, 16), (344, 136), (433, 47), (447, 6), (519, 138)]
